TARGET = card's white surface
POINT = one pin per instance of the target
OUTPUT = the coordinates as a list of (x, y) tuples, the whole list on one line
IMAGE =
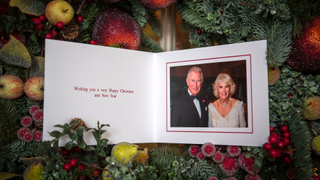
[(142, 116)]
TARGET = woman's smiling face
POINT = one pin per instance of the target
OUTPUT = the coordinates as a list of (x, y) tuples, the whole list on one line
[(223, 90)]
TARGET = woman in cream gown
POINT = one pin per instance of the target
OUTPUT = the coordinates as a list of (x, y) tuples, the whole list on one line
[(226, 111)]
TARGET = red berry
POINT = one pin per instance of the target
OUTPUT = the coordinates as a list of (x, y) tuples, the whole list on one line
[(221, 12), (89, 0), (81, 177), (76, 148), (286, 141), (54, 33), (42, 17), (286, 159), (315, 177), (274, 135), (48, 36), (38, 28), (67, 167), (79, 18), (30, 15), (284, 128), (95, 172), (92, 42), (267, 146), (36, 21), (272, 139), (81, 167), (286, 134), (74, 162), (280, 144), (278, 153), (64, 152), (60, 25), (199, 32), (271, 129), (273, 153)]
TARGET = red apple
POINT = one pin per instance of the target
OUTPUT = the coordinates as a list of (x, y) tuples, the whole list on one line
[(11, 87), (58, 10), (34, 88)]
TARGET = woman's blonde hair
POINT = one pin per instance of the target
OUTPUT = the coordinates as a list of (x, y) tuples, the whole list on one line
[(223, 77)]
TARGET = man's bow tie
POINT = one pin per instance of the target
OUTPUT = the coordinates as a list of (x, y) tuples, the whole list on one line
[(195, 97)]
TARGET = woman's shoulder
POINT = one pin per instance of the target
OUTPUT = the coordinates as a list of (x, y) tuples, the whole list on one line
[(213, 104)]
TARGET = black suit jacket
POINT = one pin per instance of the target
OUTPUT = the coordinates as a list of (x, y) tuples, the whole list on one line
[(184, 113)]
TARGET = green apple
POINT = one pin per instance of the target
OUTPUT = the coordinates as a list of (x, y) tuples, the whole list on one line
[(11, 87), (34, 88), (59, 10)]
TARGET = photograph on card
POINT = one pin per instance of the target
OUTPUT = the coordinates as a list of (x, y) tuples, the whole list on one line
[(209, 95)]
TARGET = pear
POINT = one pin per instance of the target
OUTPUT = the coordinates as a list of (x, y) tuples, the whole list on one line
[(311, 108), (273, 75), (315, 145), (34, 171), (142, 156), (124, 152)]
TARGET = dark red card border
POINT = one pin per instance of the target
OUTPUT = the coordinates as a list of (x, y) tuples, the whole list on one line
[(250, 62)]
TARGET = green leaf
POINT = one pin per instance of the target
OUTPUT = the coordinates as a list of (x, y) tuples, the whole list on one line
[(56, 156), (80, 130), (37, 67), (102, 153), (73, 136), (90, 148), (72, 123), (104, 142), (102, 125), (66, 128), (96, 135), (257, 163), (50, 166), (81, 145), (69, 144), (55, 134), (15, 53), (34, 7), (58, 125)]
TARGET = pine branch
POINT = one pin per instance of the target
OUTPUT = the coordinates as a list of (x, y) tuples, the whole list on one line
[(150, 44), (301, 137), (139, 12), (278, 35), (10, 154), (154, 23), (9, 121)]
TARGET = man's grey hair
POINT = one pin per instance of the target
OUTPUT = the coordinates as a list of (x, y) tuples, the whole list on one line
[(195, 69)]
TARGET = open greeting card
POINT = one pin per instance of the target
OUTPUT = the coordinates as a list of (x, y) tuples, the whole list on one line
[(133, 91)]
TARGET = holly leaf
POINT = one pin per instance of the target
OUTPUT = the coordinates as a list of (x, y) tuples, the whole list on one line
[(34, 7), (37, 67), (15, 53)]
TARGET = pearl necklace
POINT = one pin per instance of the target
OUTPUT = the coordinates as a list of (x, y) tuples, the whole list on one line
[(224, 105)]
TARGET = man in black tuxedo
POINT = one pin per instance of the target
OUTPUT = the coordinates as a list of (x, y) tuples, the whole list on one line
[(189, 110)]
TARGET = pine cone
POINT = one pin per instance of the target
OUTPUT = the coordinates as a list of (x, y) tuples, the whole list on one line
[(70, 31), (79, 124)]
